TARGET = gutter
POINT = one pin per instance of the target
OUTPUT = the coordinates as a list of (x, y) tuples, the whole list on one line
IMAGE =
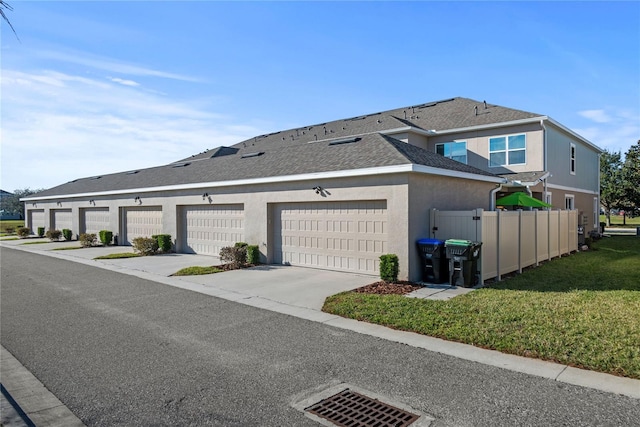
[(383, 170), (492, 197), (546, 151)]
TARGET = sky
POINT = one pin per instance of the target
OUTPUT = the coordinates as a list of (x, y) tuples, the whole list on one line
[(90, 88)]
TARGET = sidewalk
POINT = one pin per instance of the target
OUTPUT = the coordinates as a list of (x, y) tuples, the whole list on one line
[(300, 292)]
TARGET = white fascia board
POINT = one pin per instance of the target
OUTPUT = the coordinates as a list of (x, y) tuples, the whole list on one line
[(492, 125), (383, 170), (574, 189), (408, 129)]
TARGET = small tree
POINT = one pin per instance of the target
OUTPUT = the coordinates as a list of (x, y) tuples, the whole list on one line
[(23, 232), (54, 235), (145, 245), (611, 182), (87, 240), (236, 256)]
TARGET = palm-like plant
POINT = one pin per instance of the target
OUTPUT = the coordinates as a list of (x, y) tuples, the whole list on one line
[(6, 6)]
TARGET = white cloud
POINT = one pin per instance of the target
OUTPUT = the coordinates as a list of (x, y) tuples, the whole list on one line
[(57, 127), (124, 82), (617, 133), (598, 116)]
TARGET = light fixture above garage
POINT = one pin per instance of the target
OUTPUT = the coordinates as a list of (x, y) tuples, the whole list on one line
[(138, 200), (92, 202), (317, 189)]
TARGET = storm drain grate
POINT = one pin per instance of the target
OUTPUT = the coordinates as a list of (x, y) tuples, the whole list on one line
[(350, 409)]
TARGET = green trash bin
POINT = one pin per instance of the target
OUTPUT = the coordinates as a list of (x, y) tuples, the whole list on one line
[(463, 258)]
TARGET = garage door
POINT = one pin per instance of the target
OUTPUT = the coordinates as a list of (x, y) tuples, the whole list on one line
[(347, 236), (210, 228), (92, 220), (141, 222), (36, 219), (61, 219)]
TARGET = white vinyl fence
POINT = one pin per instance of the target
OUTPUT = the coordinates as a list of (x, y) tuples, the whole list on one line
[(511, 240)]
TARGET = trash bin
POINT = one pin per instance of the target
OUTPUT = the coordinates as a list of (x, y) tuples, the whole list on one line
[(463, 261), (435, 267)]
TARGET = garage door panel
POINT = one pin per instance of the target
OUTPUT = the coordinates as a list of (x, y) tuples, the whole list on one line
[(36, 220), (142, 222), (61, 219), (210, 228), (93, 220), (347, 235)]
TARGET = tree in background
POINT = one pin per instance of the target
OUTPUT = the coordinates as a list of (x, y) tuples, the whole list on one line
[(11, 203), (611, 187), (631, 178)]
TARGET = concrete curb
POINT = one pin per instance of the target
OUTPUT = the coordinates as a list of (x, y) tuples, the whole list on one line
[(554, 371), (37, 403)]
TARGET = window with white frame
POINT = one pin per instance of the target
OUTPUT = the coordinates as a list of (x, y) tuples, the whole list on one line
[(456, 150), (572, 158), (569, 201), (508, 150)]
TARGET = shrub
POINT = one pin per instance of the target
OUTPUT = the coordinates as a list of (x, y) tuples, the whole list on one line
[(67, 234), (40, 231), (23, 231), (105, 237), (53, 235), (234, 255), (145, 245), (87, 239), (241, 245), (389, 267), (164, 242), (253, 254), (9, 230)]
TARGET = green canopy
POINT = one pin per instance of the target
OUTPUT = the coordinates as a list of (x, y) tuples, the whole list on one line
[(521, 199)]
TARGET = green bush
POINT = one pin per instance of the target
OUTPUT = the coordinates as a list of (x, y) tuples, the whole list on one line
[(23, 231), (236, 256), (145, 246), (9, 230), (105, 237), (164, 242), (87, 239), (40, 231), (389, 267), (67, 234), (53, 235), (241, 245), (253, 254)]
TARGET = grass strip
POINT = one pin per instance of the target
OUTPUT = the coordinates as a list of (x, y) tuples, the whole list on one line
[(582, 310), (197, 271), (119, 255), (36, 243), (68, 248)]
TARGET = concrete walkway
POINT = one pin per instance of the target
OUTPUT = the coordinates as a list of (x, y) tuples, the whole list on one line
[(301, 292)]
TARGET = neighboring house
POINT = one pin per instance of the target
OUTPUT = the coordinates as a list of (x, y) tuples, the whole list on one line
[(5, 215), (336, 195)]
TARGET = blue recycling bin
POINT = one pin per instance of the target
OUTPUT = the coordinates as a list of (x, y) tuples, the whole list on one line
[(435, 267)]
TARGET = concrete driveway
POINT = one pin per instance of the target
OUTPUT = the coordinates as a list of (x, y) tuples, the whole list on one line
[(305, 288)]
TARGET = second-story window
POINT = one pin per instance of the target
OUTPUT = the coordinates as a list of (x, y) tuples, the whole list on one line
[(508, 150), (572, 160), (456, 150)]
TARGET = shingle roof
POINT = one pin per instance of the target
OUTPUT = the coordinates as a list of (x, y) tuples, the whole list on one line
[(307, 150)]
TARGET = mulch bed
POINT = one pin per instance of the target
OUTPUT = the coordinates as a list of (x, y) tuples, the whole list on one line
[(384, 288)]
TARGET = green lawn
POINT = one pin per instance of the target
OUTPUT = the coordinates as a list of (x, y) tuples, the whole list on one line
[(582, 310), (616, 221), (197, 271), (119, 255), (10, 224)]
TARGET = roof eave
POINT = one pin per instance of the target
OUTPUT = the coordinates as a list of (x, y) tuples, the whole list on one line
[(381, 170)]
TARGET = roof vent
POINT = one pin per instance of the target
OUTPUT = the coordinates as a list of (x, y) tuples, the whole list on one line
[(256, 154), (132, 172), (224, 151), (344, 141), (181, 165), (95, 177)]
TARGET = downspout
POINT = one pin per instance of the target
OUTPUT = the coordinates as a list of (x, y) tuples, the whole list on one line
[(492, 196), (544, 148)]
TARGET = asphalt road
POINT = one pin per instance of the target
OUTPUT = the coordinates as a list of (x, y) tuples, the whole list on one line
[(119, 350)]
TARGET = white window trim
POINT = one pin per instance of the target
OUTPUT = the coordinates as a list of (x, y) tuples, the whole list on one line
[(506, 150), (548, 198), (572, 158), (450, 142), (596, 212), (571, 197)]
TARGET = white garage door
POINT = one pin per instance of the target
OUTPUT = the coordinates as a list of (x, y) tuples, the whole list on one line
[(61, 219), (210, 228), (92, 220), (335, 235), (142, 222), (36, 219)]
